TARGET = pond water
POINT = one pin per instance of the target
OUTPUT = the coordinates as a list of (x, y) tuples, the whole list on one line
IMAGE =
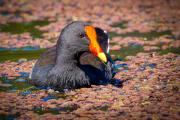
[(20, 84)]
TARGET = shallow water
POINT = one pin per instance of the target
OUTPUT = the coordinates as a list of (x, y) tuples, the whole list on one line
[(21, 86), (145, 79)]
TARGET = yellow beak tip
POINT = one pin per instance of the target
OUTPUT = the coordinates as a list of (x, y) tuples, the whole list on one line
[(102, 57)]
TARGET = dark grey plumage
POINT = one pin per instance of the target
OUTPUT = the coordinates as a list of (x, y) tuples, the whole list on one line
[(69, 65)]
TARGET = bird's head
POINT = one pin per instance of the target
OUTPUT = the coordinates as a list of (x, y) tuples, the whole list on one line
[(80, 36)]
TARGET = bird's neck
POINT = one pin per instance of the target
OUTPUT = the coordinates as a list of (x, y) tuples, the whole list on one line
[(65, 56)]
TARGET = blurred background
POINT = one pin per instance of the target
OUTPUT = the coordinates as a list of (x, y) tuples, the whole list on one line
[(144, 35)]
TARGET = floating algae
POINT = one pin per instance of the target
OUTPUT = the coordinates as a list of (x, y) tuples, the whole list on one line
[(21, 87), (146, 35), (126, 51), (132, 50), (122, 24), (19, 28), (170, 50), (55, 111), (9, 116), (16, 54), (41, 110), (49, 97)]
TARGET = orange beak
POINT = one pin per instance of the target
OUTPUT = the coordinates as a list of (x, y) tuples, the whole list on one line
[(94, 46)]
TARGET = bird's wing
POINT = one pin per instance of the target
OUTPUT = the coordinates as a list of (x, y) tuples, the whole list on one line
[(47, 58)]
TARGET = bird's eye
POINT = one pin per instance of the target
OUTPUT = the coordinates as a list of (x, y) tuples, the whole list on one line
[(82, 35)]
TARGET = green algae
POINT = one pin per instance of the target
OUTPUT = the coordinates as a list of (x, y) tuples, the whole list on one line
[(19, 28), (113, 43), (9, 116), (61, 96), (113, 34), (146, 35), (18, 54), (122, 24), (41, 111), (4, 89), (170, 50), (15, 86), (55, 111), (103, 108), (127, 51), (133, 50)]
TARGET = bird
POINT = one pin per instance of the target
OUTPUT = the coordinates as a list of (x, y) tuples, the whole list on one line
[(79, 59)]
